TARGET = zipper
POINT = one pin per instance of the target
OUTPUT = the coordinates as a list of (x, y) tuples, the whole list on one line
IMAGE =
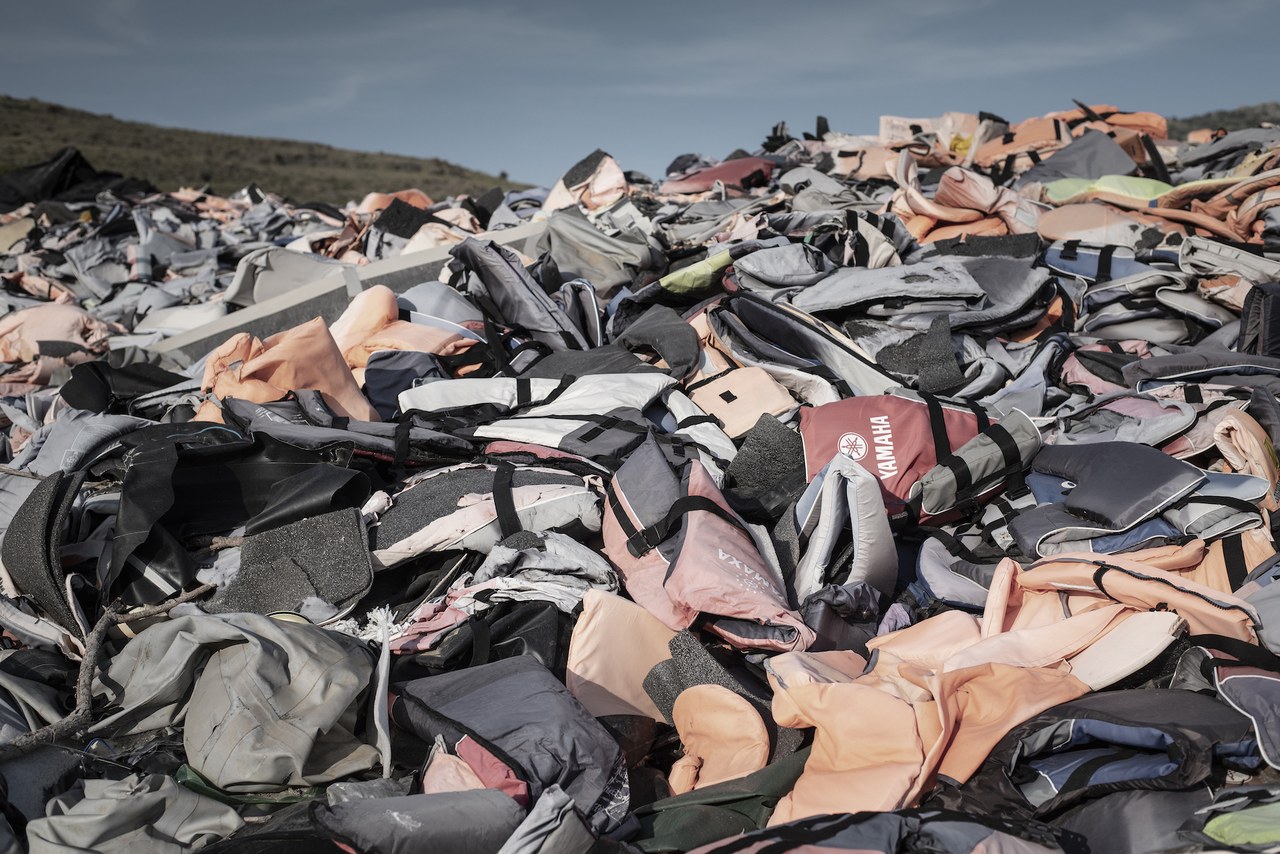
[(1103, 567)]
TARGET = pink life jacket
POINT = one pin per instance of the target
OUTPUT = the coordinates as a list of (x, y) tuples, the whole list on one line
[(684, 554)]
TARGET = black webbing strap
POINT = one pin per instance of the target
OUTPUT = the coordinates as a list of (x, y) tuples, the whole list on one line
[(1007, 171), (980, 413), (1070, 250), (685, 443), (884, 225), (1158, 170), (524, 391), (680, 445), (966, 488), (1219, 501), (403, 426), (476, 356), (644, 541), (1247, 654), (497, 343), (526, 344), (601, 422), (594, 432), (952, 544), (1192, 394), (861, 250), (960, 471), (491, 354), (504, 503), (937, 425), (1104, 263), (526, 399), (620, 512), (1233, 557), (1007, 513), (887, 229), (705, 380), (1088, 111), (1006, 443)]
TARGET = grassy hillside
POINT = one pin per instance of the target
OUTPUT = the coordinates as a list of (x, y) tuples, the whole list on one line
[(32, 130), (1237, 119)]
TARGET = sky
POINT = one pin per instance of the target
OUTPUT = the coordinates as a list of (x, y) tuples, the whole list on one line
[(530, 87)]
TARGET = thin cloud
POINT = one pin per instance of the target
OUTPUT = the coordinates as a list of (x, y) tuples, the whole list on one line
[(122, 22), (340, 91)]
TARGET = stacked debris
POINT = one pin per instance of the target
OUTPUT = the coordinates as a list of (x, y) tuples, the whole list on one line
[(894, 493)]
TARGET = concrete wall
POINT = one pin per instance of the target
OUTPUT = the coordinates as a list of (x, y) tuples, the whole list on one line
[(329, 296)]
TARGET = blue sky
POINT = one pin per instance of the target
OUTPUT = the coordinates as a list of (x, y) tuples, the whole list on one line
[(530, 87)]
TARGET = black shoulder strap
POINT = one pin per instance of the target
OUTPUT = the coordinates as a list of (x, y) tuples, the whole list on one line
[(644, 541), (1219, 501), (403, 426), (504, 503), (526, 400), (937, 425), (980, 413), (1088, 111), (1244, 652), (1006, 172), (1104, 263), (967, 488), (1158, 170), (1233, 557), (950, 543), (619, 512)]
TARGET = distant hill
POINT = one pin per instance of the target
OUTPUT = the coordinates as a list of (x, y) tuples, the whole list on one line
[(1237, 119), (32, 130)]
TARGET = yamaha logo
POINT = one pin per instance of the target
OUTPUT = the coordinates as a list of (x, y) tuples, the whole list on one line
[(853, 446)]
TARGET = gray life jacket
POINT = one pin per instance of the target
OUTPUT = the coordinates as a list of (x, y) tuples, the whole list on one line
[(474, 506)]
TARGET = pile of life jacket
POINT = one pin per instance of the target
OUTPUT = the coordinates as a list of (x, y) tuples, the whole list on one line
[(908, 492)]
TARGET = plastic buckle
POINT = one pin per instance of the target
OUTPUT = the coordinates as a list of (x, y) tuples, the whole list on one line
[(639, 543)]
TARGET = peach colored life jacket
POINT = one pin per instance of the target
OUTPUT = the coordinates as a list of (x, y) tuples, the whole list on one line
[(941, 693), (304, 357)]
